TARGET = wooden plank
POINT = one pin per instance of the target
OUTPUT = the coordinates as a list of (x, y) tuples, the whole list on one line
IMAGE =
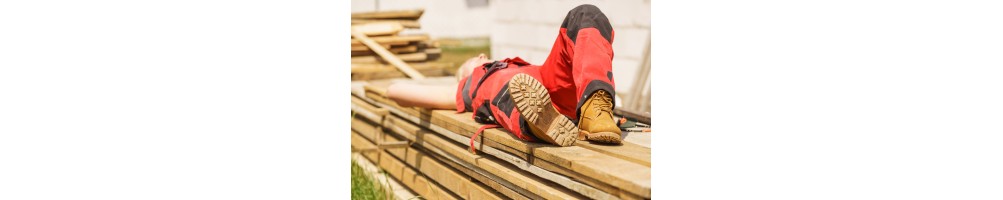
[(386, 55), (398, 191), (392, 50), (433, 53), (374, 29), (628, 151), (398, 170), (407, 23), (390, 43), (362, 71), (630, 176), (410, 57), (484, 177), (395, 39), (402, 127), (359, 51), (365, 48), (522, 180), (445, 176), (393, 14)]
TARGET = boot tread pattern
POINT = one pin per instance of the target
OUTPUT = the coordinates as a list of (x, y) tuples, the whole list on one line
[(533, 102)]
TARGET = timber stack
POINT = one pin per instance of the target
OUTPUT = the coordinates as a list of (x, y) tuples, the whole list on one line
[(397, 34), (429, 152)]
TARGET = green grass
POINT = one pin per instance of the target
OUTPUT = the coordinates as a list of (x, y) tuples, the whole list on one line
[(365, 186)]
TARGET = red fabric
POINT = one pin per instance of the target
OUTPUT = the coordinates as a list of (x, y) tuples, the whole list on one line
[(571, 66), (571, 71), (484, 95)]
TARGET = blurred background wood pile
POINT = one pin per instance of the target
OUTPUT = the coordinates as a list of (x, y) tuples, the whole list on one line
[(399, 33)]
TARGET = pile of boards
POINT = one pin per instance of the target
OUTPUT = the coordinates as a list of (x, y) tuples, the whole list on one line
[(429, 153), (385, 29)]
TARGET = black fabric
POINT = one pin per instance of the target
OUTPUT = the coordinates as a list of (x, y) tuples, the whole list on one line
[(592, 87), (467, 100), (490, 69), (503, 100), (587, 16), (483, 114), (609, 76), (524, 126)]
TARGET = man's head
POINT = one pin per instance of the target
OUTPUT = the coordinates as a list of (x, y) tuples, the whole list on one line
[(468, 67)]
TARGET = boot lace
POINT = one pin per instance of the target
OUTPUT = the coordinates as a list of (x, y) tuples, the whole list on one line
[(604, 103)]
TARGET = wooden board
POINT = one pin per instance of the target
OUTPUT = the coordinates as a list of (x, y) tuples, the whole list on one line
[(404, 22), (393, 49), (628, 151), (362, 71), (419, 135), (398, 191), (626, 174), (445, 176), (394, 14), (535, 185), (398, 170), (382, 28), (410, 57), (395, 39), (365, 48)]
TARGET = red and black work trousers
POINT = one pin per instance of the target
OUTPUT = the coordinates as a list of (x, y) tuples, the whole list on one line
[(579, 64)]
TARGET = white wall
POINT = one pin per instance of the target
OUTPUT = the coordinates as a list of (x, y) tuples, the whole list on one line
[(442, 18), (528, 29)]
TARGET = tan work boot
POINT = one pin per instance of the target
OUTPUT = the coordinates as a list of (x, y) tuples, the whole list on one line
[(596, 119), (545, 122)]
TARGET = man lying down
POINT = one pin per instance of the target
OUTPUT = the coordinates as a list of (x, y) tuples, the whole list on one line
[(567, 98)]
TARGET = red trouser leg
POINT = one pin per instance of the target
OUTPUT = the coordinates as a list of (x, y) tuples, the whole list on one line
[(581, 60)]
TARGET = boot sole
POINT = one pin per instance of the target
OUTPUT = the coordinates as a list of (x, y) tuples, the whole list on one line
[(604, 137), (533, 102)]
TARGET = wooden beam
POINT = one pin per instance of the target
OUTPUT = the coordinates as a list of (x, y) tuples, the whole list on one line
[(410, 57), (525, 181), (382, 28), (368, 71), (422, 136), (393, 50), (366, 48), (441, 174), (425, 187), (389, 57), (404, 22), (395, 39), (394, 14), (629, 175), (394, 188)]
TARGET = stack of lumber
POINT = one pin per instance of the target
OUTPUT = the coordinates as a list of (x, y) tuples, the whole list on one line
[(428, 151), (384, 29)]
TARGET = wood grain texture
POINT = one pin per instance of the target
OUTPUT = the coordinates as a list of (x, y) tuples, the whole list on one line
[(395, 39), (410, 57), (398, 191), (438, 172), (372, 71), (392, 49), (403, 127), (393, 14), (407, 23), (398, 170), (519, 179), (628, 175), (377, 29), (386, 55)]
